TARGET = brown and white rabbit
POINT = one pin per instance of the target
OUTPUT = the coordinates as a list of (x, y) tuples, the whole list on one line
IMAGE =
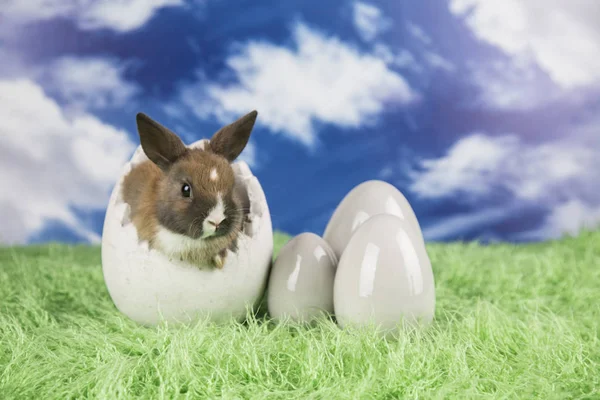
[(183, 200)]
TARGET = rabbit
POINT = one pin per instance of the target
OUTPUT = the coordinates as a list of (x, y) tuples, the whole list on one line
[(182, 200)]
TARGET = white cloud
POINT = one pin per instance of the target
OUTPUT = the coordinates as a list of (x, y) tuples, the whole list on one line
[(322, 80), (437, 61), (459, 224), (559, 175), (510, 85), (118, 15), (404, 59), (80, 83), (570, 217), (50, 163), (466, 168), (369, 20), (91, 82), (478, 165), (418, 33), (561, 36), (400, 59), (386, 172)]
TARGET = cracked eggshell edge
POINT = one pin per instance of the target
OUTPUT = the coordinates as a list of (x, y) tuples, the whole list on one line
[(148, 287)]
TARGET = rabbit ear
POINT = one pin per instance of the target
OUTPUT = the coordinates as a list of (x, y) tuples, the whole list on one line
[(161, 145), (231, 139)]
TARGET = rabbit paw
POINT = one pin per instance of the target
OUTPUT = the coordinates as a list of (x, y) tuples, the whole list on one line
[(219, 259)]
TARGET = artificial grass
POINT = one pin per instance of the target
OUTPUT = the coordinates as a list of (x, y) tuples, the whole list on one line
[(512, 321)]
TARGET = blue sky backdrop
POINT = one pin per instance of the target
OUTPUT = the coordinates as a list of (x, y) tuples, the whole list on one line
[(486, 115)]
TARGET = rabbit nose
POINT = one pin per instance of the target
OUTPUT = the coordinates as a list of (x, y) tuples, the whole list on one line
[(216, 223)]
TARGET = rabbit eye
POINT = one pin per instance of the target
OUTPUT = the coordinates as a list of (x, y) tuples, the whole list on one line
[(186, 190)]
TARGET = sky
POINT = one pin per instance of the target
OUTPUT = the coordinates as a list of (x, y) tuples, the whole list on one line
[(484, 114)]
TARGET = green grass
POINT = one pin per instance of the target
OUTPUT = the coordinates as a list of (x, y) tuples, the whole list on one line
[(511, 322)]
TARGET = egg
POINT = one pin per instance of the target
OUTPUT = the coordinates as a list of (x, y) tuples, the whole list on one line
[(384, 277), (301, 280), (362, 202), (149, 287)]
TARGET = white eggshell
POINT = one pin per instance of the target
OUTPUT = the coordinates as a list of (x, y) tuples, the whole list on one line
[(362, 202), (149, 287), (384, 277)]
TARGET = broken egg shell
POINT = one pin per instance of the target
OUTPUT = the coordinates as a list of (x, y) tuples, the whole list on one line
[(301, 280), (361, 203), (150, 287), (384, 277)]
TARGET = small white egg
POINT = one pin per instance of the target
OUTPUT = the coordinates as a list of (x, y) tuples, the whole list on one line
[(361, 203), (149, 287), (384, 277), (301, 280)]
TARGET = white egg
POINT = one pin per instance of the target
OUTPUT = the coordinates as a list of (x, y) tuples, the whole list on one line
[(301, 280), (362, 202), (149, 287), (384, 277)]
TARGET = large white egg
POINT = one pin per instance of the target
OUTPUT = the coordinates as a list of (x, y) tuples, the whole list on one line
[(362, 202), (301, 280), (384, 277), (149, 287)]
